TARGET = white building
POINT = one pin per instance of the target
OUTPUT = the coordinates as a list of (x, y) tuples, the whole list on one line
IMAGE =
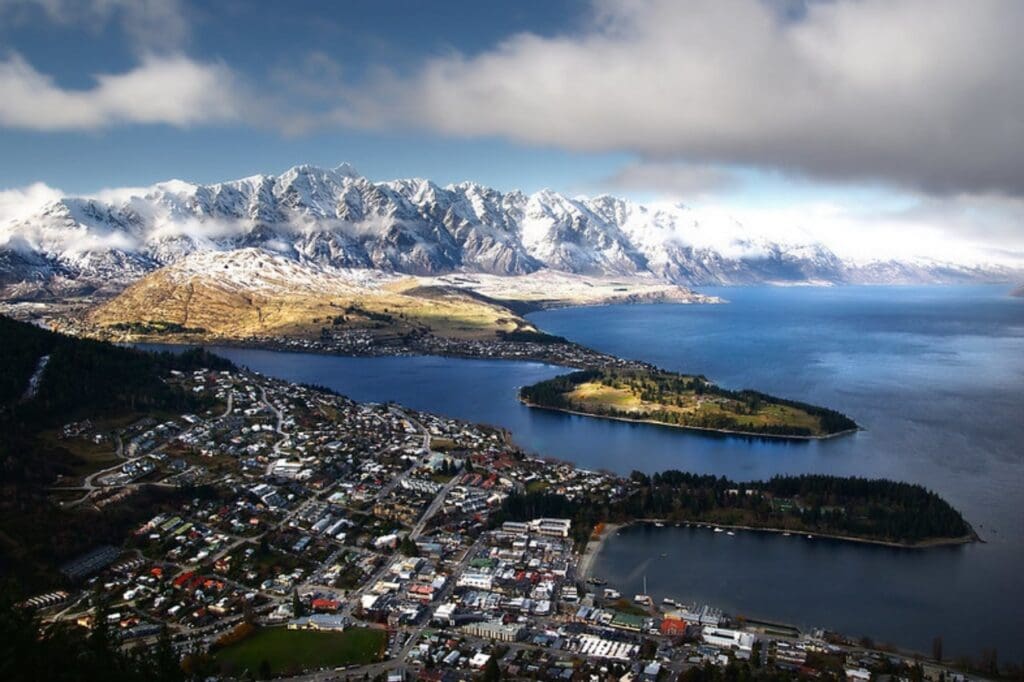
[(700, 615), (318, 621), (479, 660), (593, 646), (495, 630), (478, 581), (284, 468), (554, 527), (728, 639)]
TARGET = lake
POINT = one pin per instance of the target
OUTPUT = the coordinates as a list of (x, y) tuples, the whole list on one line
[(933, 374)]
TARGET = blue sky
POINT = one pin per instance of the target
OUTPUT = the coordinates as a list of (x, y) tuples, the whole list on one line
[(254, 38), (867, 122)]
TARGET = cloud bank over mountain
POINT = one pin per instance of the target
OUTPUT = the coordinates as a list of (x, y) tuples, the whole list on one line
[(338, 218), (913, 102), (922, 93)]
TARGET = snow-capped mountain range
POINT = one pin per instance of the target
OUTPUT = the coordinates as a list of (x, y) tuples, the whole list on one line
[(338, 218)]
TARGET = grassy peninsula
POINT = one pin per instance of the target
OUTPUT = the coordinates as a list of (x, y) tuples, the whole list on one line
[(685, 401)]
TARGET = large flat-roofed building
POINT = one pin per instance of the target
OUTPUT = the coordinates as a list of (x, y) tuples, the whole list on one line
[(318, 621), (729, 639), (593, 646), (479, 581), (627, 621), (701, 615), (515, 527), (554, 527), (494, 629), (92, 562)]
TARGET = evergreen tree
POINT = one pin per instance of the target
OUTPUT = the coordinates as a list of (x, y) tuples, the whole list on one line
[(100, 641), (492, 673), (166, 661)]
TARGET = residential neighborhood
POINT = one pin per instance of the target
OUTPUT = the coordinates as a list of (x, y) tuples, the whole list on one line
[(311, 516)]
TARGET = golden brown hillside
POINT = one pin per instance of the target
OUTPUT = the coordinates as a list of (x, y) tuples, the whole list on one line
[(247, 293)]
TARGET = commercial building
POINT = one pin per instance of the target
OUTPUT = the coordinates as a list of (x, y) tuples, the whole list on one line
[(323, 622), (478, 581), (672, 627), (728, 639), (699, 615), (92, 562), (598, 647), (494, 629), (558, 528), (627, 621)]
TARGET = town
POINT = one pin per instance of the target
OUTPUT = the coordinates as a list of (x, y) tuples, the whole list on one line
[(326, 539)]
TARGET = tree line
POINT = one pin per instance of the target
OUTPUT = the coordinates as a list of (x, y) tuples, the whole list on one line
[(875, 509)]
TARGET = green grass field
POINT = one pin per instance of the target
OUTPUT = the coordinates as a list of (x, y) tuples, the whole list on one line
[(537, 486), (683, 400), (288, 651), (688, 406)]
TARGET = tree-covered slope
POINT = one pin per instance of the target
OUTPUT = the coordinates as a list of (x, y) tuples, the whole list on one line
[(80, 379), (85, 375)]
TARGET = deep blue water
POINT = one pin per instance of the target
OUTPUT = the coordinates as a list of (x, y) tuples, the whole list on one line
[(893, 595), (934, 375)]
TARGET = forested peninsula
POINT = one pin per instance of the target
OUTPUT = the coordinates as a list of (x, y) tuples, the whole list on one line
[(852, 508)]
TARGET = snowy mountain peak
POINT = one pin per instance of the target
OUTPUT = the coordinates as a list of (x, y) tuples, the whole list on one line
[(347, 170), (336, 218)]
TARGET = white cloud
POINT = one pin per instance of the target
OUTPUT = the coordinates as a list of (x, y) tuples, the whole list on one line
[(20, 202), (168, 89), (968, 230), (962, 229), (74, 244), (925, 93)]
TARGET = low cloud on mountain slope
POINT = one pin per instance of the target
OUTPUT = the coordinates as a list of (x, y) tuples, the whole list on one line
[(337, 217)]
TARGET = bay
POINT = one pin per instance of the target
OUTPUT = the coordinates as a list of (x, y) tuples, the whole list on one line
[(934, 375)]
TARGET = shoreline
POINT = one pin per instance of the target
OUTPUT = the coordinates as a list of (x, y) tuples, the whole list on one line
[(586, 561), (930, 543), (595, 544), (554, 362), (590, 553), (593, 548), (704, 429), (572, 356)]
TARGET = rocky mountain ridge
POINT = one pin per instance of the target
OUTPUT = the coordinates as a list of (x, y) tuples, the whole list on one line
[(338, 218)]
